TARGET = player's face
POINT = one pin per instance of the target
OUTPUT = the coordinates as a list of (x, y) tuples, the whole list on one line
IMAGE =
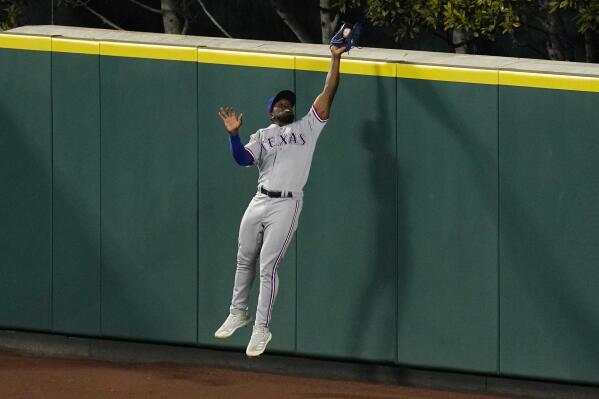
[(282, 112)]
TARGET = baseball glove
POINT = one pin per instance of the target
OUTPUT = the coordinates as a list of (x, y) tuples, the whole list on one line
[(347, 36)]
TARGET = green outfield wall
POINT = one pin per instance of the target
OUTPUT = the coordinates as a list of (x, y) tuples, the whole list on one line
[(450, 220)]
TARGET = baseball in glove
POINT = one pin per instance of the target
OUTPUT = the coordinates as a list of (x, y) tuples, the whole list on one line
[(347, 36)]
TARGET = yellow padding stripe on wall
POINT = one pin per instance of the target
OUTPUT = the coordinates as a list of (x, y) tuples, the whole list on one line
[(19, 42), (348, 66), (549, 81), (241, 58), (353, 67), (319, 64), (151, 51), (447, 74), (75, 46)]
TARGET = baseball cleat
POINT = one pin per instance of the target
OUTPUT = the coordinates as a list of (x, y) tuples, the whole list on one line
[(261, 336), (233, 322)]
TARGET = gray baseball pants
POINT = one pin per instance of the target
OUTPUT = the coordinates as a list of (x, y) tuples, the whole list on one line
[(266, 229)]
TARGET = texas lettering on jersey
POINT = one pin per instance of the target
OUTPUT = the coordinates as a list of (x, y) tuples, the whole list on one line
[(283, 139), (283, 154)]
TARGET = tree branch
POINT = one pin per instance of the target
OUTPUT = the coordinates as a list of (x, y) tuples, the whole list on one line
[(291, 22), (329, 18), (146, 7), (336, 21), (101, 17), (185, 26), (170, 17), (214, 21)]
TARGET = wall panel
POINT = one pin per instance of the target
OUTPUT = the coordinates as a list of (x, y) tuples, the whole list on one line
[(76, 294), (549, 243), (149, 198), (447, 225), (25, 188), (346, 234)]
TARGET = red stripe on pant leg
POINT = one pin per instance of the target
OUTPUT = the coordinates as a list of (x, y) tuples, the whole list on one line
[(277, 261)]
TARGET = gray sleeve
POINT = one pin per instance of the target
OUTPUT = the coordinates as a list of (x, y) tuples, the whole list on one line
[(312, 123), (253, 147)]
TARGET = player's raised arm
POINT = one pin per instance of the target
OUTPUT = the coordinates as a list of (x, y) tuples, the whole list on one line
[(322, 104)]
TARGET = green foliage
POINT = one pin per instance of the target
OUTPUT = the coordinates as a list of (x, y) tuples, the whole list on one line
[(477, 18), (587, 12), (404, 18), (13, 11), (480, 18)]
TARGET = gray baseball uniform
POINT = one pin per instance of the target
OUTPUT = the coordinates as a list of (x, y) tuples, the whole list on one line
[(283, 155)]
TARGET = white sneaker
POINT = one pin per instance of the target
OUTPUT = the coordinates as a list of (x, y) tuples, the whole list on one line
[(233, 322), (261, 336)]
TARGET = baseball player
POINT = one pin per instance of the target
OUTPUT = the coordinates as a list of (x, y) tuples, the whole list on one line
[(283, 154)]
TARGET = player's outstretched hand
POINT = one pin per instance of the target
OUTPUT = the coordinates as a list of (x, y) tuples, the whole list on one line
[(230, 119)]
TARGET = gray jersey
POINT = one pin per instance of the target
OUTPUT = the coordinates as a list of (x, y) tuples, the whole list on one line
[(283, 154)]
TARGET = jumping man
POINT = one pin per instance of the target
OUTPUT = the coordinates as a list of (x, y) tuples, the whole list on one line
[(283, 153)]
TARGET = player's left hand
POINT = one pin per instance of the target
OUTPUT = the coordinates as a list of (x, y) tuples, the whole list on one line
[(230, 119)]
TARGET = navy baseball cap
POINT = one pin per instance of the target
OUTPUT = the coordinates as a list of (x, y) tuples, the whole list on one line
[(288, 94)]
